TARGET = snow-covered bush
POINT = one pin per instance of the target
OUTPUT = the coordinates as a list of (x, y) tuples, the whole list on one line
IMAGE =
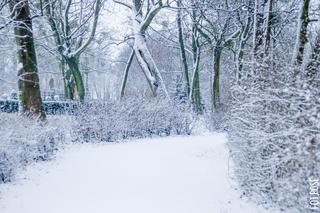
[(131, 118), (274, 137), (24, 141)]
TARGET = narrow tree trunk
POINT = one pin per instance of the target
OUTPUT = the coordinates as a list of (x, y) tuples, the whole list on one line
[(125, 75), (301, 38), (28, 82), (216, 78), (258, 28), (195, 94), (269, 25), (182, 50), (244, 36)]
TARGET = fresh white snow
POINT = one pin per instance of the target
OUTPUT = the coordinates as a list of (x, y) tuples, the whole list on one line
[(163, 175)]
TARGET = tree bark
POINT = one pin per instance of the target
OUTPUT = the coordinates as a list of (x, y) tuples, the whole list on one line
[(182, 50), (73, 64), (195, 94), (216, 79), (28, 82), (269, 25), (301, 37)]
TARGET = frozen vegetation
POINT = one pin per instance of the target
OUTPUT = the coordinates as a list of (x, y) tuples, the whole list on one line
[(102, 104)]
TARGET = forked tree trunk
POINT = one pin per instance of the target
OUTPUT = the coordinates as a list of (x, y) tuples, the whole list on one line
[(28, 79), (64, 45), (141, 51), (146, 62), (73, 64)]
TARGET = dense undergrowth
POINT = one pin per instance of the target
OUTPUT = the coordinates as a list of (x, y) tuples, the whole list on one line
[(274, 141)]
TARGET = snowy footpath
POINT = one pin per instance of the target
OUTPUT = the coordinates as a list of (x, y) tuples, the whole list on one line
[(165, 175)]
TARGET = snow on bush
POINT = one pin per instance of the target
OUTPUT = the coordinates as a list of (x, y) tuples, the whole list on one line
[(131, 118), (24, 141), (274, 140)]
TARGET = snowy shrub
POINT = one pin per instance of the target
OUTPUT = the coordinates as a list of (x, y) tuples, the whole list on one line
[(131, 118), (24, 141), (274, 140)]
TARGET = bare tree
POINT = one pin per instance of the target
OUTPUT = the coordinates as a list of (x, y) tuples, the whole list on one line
[(73, 33)]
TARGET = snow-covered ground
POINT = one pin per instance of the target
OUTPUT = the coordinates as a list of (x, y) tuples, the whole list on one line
[(165, 175)]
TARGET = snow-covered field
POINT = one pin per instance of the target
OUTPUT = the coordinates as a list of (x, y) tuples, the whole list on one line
[(165, 175)]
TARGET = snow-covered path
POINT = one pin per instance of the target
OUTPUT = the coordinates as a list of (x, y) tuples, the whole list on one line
[(166, 175)]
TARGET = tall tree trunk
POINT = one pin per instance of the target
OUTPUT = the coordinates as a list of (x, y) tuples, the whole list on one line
[(301, 38), (182, 50), (216, 79), (258, 28), (243, 38), (269, 25), (258, 33), (28, 82), (195, 94)]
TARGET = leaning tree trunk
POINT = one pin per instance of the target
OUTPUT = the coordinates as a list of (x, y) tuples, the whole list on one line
[(28, 82), (126, 73), (146, 62)]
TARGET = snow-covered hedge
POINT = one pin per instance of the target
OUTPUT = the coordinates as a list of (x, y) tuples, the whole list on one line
[(275, 144), (24, 141), (131, 118)]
